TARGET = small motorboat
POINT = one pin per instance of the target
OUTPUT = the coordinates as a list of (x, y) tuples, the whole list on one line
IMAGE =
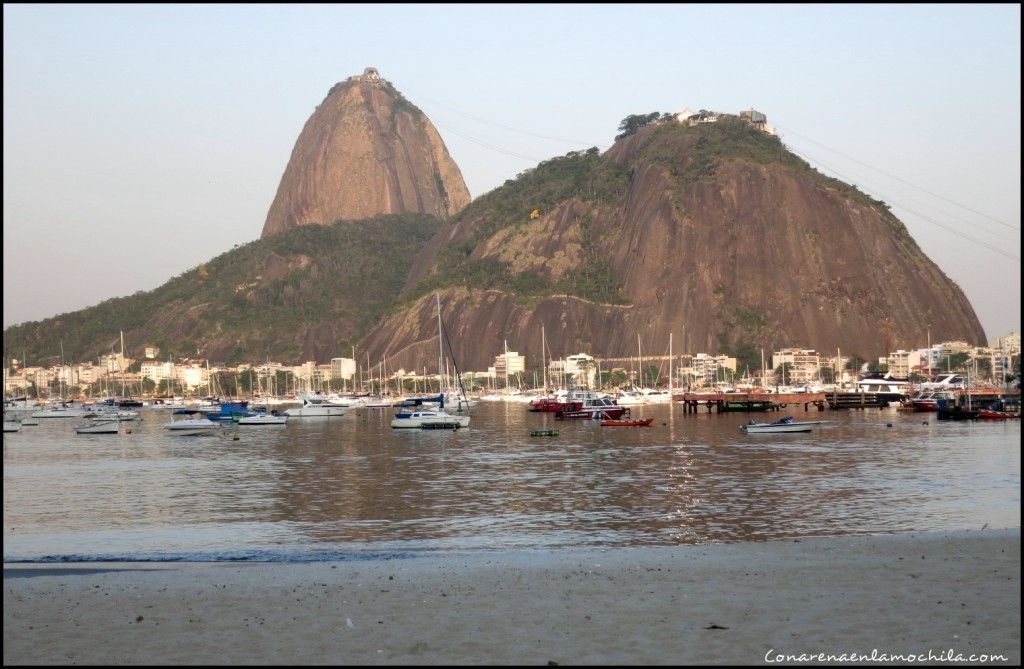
[(992, 414), (103, 426), (544, 433), (646, 422), (786, 424), (263, 419), (192, 426)]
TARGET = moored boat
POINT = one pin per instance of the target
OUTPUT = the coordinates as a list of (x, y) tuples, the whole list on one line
[(602, 408), (192, 426), (99, 427), (316, 407), (429, 419), (263, 419), (992, 414), (646, 422), (786, 424)]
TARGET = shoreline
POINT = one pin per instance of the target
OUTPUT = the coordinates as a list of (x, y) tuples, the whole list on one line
[(710, 603)]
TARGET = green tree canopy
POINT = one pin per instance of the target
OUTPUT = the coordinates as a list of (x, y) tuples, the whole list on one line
[(634, 122)]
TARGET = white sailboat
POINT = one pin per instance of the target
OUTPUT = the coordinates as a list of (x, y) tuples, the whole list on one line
[(433, 418)]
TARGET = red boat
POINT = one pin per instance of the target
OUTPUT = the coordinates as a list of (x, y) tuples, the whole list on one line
[(574, 400), (989, 414), (552, 405), (627, 423), (603, 409), (929, 401)]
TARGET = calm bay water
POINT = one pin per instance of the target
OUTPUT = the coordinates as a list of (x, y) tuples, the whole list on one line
[(352, 486)]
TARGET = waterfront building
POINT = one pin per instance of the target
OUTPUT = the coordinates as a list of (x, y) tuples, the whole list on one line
[(901, 363), (509, 363), (343, 368), (192, 376), (704, 369), (804, 364), (579, 370), (1008, 343), (157, 371)]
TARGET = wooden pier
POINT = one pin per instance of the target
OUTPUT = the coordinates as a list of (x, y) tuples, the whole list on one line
[(722, 402)]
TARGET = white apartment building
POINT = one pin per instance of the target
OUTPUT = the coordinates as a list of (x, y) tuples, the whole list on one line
[(1008, 343), (804, 364), (192, 376), (579, 369), (157, 371), (901, 363), (509, 363), (343, 368), (704, 368), (115, 363)]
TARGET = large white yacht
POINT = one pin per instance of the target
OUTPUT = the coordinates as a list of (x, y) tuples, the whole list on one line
[(317, 406)]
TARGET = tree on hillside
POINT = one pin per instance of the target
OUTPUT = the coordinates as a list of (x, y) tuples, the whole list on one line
[(634, 122)]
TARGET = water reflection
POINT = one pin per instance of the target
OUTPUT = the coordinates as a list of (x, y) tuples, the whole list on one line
[(353, 483)]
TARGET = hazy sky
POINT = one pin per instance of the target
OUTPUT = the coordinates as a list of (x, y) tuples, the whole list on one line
[(141, 141)]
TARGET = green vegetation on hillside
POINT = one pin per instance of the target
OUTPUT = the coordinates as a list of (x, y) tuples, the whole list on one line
[(634, 122), (263, 295), (580, 175)]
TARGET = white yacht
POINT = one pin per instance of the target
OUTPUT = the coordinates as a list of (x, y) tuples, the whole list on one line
[(436, 419), (891, 390), (193, 426), (263, 419), (316, 406)]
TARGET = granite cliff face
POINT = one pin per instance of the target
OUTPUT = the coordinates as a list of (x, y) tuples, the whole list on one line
[(366, 151), (715, 234)]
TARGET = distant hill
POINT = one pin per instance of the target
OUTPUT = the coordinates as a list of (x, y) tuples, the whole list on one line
[(308, 293), (365, 151), (714, 233)]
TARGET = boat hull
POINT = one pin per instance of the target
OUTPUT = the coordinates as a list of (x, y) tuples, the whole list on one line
[(99, 427), (646, 422), (315, 412), (597, 413), (263, 420), (786, 425)]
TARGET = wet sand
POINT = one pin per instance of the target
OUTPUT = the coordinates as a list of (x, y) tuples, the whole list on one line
[(721, 603)]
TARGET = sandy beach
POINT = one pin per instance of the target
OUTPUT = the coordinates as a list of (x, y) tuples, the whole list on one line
[(953, 592)]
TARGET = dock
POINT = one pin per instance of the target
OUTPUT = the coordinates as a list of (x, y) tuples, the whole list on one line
[(723, 402)]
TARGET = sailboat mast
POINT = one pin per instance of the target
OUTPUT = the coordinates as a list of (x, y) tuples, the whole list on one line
[(669, 366), (60, 377), (640, 360), (544, 358), (440, 347)]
